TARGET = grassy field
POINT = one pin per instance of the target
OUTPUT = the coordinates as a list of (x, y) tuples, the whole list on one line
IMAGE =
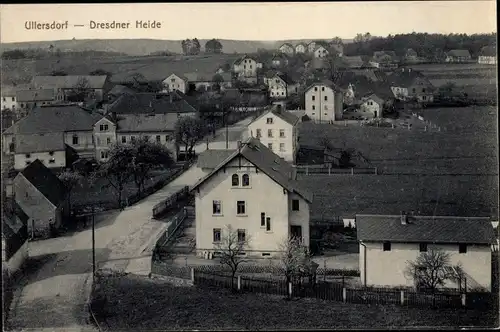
[(140, 304), (452, 172)]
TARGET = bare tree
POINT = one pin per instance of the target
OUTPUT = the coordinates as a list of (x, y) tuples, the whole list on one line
[(189, 131), (71, 179), (231, 246), (80, 91), (295, 259), (430, 270), (117, 169)]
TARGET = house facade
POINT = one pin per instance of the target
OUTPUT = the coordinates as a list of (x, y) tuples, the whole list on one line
[(104, 137), (389, 243), (300, 48), (43, 197), (279, 60), (245, 69), (175, 82), (48, 148), (320, 52), (311, 47), (372, 104), (95, 87), (488, 55), (323, 103), (232, 194), (280, 85), (287, 48), (458, 56), (8, 100), (408, 83), (278, 131)]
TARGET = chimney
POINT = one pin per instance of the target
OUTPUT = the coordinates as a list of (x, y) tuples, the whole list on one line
[(404, 218)]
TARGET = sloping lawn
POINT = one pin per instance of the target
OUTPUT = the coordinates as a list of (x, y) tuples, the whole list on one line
[(139, 303)]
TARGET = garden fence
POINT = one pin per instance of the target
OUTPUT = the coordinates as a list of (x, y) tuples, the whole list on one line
[(314, 170)]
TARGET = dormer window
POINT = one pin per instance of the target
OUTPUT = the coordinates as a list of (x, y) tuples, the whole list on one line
[(235, 180), (269, 120), (245, 180)]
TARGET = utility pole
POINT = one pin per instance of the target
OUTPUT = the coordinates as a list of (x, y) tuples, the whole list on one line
[(93, 242)]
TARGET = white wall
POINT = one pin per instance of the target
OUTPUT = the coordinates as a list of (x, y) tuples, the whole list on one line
[(8, 102), (174, 82), (321, 53), (247, 68), (263, 195), (85, 146), (104, 139), (300, 49), (489, 60), (57, 159), (320, 109), (301, 217), (371, 106), (386, 268), (399, 91), (166, 139)]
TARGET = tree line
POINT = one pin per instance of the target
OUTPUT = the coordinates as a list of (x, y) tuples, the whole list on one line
[(193, 46), (426, 45)]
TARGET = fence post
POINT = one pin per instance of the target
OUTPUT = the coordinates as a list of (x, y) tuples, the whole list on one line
[(402, 297), (376, 171), (192, 274), (344, 294), (352, 171), (463, 299), (239, 282), (329, 169), (290, 289)]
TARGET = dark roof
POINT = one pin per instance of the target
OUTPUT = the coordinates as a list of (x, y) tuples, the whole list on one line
[(212, 158), (13, 219), (375, 98), (284, 115), (489, 51), (238, 61), (69, 81), (44, 142), (406, 77), (47, 183), (35, 95), (156, 122), (459, 53), (286, 44), (434, 229), (146, 103), (321, 82), (48, 119), (269, 163), (120, 89), (411, 52), (354, 61)]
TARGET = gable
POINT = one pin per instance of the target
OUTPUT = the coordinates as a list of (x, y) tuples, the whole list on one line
[(173, 76), (104, 120), (261, 122)]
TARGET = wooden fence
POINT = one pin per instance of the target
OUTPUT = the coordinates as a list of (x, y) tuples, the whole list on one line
[(171, 201), (172, 228), (314, 170)]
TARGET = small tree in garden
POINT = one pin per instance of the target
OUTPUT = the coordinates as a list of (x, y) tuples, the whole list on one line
[(295, 259), (71, 180), (430, 270), (189, 131), (117, 169), (231, 246)]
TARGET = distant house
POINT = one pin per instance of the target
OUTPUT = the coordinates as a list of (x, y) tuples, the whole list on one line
[(49, 148), (119, 90), (95, 86), (43, 197), (104, 137), (336, 48), (245, 69), (410, 55), (9, 100), (311, 47), (278, 130), (488, 55), (280, 85), (323, 102), (408, 83), (389, 242), (279, 60), (14, 237), (372, 104), (74, 123), (28, 99), (206, 81), (458, 56), (320, 52), (232, 193), (300, 48), (287, 48), (175, 82)]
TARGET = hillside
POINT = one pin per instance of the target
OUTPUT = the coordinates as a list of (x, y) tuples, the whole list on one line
[(144, 46)]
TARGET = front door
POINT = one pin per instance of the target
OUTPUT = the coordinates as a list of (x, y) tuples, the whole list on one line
[(296, 231)]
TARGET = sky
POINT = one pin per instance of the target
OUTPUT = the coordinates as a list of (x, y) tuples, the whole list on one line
[(249, 21)]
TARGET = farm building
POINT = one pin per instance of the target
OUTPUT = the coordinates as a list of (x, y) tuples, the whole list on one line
[(458, 56), (488, 55)]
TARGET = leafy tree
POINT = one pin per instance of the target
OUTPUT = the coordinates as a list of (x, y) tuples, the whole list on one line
[(71, 180), (116, 170), (189, 131), (80, 91), (218, 80), (196, 47), (213, 46), (146, 157), (14, 54), (231, 246), (337, 40), (335, 66)]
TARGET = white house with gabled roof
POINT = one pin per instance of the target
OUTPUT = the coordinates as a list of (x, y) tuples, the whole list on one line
[(300, 48), (254, 191), (278, 131), (287, 48), (175, 82)]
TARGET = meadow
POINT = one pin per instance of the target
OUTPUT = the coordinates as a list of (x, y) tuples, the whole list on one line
[(452, 172)]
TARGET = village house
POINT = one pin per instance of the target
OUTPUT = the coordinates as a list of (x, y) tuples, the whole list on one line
[(232, 194), (373, 105), (287, 48), (320, 52), (311, 47), (117, 91), (104, 137), (488, 55), (388, 242), (94, 86), (279, 60), (410, 84), (195, 81), (14, 237), (43, 197), (280, 85), (353, 61), (48, 148), (336, 48), (278, 130), (29, 99), (245, 68), (74, 123), (175, 82), (8, 100), (323, 103), (411, 55), (300, 48), (458, 56)]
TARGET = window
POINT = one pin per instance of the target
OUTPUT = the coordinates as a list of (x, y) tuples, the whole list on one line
[(270, 146), (323, 89), (132, 138), (272, 93), (282, 147), (217, 235), (167, 138), (462, 248), (250, 66), (282, 93), (387, 246), (4, 99), (241, 235), (104, 154), (269, 133), (52, 161), (313, 98), (75, 140), (235, 180), (51, 153), (217, 207), (244, 66), (423, 247), (314, 107), (277, 81), (28, 155), (246, 180), (258, 133), (413, 90), (423, 90), (158, 138), (108, 140), (268, 224), (27, 163), (326, 98), (269, 120), (240, 207), (315, 88), (172, 80), (124, 139), (262, 219), (282, 133), (13, 98), (295, 205), (103, 127)]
